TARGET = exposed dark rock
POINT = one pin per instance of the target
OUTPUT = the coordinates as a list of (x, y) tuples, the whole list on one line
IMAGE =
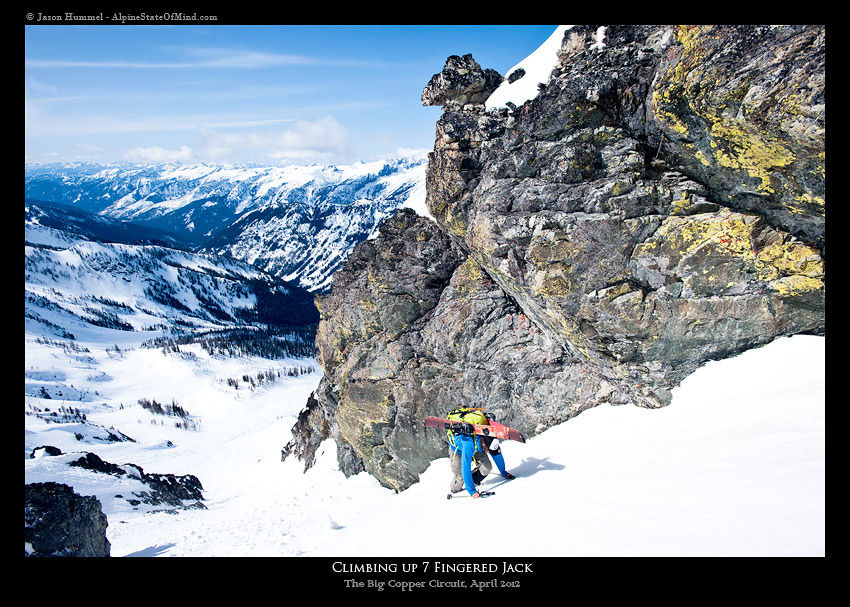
[(461, 82), (516, 75), (741, 109), (369, 347), (659, 204), (90, 461), (164, 488), (60, 522), (46, 450)]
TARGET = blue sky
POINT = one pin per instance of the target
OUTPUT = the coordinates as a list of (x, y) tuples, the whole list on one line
[(242, 93)]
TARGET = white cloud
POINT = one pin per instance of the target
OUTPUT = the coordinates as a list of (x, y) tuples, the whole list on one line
[(158, 154), (412, 152), (304, 141)]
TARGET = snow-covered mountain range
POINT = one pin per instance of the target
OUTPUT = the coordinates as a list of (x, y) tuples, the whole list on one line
[(295, 222), (73, 284)]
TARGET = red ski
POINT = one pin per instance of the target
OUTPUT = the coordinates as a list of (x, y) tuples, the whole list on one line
[(495, 429)]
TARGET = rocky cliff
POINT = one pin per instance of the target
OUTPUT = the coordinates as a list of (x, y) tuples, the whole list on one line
[(658, 204), (60, 522)]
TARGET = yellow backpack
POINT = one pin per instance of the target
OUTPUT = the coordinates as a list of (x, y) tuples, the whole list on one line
[(466, 415)]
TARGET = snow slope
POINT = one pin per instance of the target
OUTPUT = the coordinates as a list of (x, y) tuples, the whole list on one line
[(735, 466)]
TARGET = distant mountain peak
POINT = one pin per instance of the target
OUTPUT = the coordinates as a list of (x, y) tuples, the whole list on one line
[(297, 222)]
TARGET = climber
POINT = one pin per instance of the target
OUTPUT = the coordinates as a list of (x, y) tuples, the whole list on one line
[(468, 454)]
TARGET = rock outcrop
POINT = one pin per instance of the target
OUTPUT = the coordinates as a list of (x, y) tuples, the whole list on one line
[(60, 522), (659, 203), (183, 491)]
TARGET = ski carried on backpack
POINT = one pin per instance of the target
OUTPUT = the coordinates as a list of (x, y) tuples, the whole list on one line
[(493, 429)]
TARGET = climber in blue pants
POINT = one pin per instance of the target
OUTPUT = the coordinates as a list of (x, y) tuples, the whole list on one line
[(470, 462)]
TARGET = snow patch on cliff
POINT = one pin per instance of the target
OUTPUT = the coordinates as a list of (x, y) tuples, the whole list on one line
[(537, 66)]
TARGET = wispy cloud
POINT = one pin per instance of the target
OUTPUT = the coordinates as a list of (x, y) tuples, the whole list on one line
[(39, 123), (158, 154), (305, 140), (209, 58)]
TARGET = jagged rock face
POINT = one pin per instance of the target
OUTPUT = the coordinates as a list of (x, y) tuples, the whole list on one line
[(461, 82), (753, 125), (366, 345), (659, 204), (60, 522), (412, 327), (600, 211)]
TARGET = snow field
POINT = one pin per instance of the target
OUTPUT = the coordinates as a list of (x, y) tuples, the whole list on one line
[(735, 466)]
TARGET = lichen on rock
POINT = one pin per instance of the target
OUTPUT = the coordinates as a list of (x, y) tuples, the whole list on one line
[(659, 204)]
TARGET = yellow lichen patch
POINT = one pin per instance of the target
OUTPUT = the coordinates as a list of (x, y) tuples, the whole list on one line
[(659, 99), (553, 284), (671, 88), (481, 237), (454, 222), (727, 231), (692, 99), (679, 206), (629, 305), (443, 207), (756, 153), (377, 283), (688, 35), (467, 278), (808, 199), (702, 157), (790, 259), (361, 417), (620, 187), (790, 268), (796, 285), (550, 252)]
